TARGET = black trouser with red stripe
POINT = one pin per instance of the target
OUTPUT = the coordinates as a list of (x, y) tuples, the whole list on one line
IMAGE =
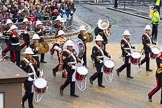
[(127, 65), (26, 42), (158, 86), (7, 48), (98, 74)]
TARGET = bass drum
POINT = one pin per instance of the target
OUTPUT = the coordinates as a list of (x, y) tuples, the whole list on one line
[(78, 46)]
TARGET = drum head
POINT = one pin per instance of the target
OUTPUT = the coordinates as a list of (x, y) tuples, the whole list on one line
[(77, 45), (40, 83), (136, 55), (155, 50), (82, 70), (109, 64)]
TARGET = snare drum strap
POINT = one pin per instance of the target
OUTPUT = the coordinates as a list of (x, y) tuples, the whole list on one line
[(100, 50), (148, 37), (127, 43), (30, 64), (72, 55)]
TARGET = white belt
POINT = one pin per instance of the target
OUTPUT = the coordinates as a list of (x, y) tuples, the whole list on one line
[(35, 55), (100, 57), (15, 43), (71, 62), (41, 36), (31, 73)]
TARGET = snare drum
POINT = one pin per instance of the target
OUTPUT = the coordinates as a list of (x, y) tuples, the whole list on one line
[(78, 46), (135, 57), (154, 52), (108, 66), (81, 73), (40, 85)]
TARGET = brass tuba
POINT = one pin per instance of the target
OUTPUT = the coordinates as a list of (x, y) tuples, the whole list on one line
[(43, 47), (88, 37)]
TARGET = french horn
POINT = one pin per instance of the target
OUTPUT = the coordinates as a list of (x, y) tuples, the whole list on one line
[(88, 37), (43, 47)]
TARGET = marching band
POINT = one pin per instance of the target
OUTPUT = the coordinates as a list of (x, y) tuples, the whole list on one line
[(72, 58)]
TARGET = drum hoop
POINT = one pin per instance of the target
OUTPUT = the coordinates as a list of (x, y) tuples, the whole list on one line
[(39, 87), (134, 52), (154, 47), (113, 62), (80, 73)]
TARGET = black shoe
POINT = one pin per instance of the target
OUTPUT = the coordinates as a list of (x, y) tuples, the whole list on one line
[(101, 86), (61, 92), (130, 77), (74, 95), (150, 99), (43, 62), (91, 82), (149, 70), (117, 72)]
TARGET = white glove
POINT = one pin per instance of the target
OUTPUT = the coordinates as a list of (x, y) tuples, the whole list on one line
[(36, 48), (57, 48), (25, 32), (151, 46), (73, 67), (129, 54), (41, 73), (30, 79), (101, 61)]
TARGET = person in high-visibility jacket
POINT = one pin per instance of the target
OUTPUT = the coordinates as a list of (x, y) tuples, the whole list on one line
[(155, 20), (158, 5)]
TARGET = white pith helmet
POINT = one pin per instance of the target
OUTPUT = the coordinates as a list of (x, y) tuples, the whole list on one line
[(61, 32), (69, 43), (28, 50), (99, 38), (147, 27), (25, 20), (13, 27), (126, 33), (9, 21), (35, 36), (82, 28), (38, 22)]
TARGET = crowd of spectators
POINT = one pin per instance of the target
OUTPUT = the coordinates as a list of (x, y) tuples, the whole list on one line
[(17, 10)]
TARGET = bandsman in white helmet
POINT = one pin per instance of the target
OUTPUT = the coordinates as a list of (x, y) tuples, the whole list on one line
[(25, 35), (29, 65), (39, 30), (58, 24), (57, 46), (158, 75), (126, 53), (15, 45), (103, 29), (70, 61), (34, 47), (81, 36), (7, 34), (147, 44), (98, 53)]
